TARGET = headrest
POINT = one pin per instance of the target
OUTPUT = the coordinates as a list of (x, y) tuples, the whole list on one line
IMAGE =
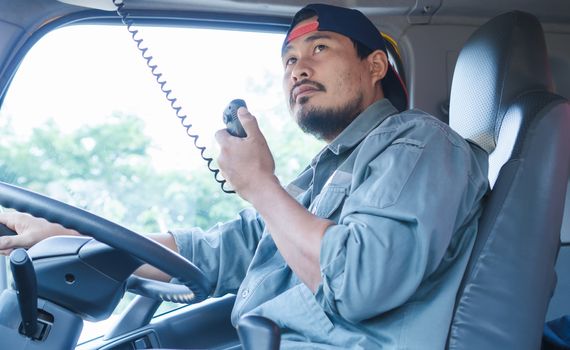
[(503, 59)]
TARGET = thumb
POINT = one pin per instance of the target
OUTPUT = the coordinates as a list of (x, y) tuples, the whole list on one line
[(248, 121)]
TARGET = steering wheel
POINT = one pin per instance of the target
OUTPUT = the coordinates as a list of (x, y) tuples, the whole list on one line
[(195, 285)]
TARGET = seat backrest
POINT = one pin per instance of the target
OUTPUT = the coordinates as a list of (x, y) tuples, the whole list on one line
[(502, 100)]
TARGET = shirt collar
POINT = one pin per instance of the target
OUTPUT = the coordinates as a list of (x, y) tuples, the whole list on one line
[(372, 116)]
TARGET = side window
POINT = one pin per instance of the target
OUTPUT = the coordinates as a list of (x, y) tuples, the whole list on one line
[(85, 122)]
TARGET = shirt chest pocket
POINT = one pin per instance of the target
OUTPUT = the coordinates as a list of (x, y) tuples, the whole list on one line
[(327, 204)]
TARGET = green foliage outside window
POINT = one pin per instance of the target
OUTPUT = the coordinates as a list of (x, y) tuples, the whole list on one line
[(106, 169)]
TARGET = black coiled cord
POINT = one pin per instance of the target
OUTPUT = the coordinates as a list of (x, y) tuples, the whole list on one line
[(167, 92)]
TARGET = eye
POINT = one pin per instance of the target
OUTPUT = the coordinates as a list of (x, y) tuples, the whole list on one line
[(290, 60), (319, 48)]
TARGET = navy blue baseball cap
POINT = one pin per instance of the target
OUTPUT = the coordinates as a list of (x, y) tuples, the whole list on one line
[(356, 26)]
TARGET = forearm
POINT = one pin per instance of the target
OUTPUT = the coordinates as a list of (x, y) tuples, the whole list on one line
[(296, 232), (151, 272)]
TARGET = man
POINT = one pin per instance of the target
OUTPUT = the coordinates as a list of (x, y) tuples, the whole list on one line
[(367, 247)]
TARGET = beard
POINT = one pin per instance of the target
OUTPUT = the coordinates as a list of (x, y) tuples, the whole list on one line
[(327, 123)]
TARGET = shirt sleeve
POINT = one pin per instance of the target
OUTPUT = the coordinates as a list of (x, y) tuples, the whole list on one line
[(223, 252), (395, 226)]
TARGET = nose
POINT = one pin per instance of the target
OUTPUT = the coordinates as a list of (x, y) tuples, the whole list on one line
[(301, 70)]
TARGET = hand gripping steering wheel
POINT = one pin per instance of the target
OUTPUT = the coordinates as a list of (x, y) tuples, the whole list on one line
[(194, 287)]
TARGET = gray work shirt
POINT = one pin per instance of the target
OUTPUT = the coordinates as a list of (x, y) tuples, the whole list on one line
[(404, 191)]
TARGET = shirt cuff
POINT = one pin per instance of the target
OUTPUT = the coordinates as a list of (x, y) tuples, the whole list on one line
[(332, 261), (183, 240)]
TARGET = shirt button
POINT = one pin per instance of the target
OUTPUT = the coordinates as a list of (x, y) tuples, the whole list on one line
[(245, 293)]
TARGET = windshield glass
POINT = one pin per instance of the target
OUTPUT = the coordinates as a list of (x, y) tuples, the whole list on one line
[(85, 122)]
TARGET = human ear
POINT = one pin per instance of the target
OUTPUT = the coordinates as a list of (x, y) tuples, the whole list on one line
[(378, 63)]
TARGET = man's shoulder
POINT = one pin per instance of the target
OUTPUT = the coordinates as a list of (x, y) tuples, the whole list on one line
[(415, 124), (411, 119), (414, 132)]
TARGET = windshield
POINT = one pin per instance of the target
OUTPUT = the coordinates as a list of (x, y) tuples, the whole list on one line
[(85, 122)]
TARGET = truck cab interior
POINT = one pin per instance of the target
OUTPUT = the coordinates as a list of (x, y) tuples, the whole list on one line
[(498, 72)]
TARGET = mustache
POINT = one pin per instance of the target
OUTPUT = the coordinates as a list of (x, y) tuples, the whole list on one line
[(315, 84)]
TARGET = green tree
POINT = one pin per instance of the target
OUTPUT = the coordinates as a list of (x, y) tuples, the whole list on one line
[(106, 169)]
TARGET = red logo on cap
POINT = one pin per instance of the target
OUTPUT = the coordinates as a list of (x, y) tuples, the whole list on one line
[(302, 30)]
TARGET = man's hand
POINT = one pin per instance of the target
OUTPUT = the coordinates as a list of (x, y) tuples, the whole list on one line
[(246, 163), (30, 231)]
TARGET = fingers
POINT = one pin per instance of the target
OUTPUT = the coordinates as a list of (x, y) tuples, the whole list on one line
[(248, 121), (30, 230), (9, 219), (221, 136), (6, 252), (7, 243)]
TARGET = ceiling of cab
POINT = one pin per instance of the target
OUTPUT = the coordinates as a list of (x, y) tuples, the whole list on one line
[(391, 16), (549, 10), (397, 11)]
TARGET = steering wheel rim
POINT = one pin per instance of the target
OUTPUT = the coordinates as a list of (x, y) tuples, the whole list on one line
[(110, 233)]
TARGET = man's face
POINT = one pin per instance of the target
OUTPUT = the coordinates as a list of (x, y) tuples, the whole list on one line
[(326, 84)]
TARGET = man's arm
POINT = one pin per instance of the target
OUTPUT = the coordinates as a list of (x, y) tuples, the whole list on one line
[(223, 253), (248, 165)]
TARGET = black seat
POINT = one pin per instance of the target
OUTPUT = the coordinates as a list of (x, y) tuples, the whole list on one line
[(502, 100)]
